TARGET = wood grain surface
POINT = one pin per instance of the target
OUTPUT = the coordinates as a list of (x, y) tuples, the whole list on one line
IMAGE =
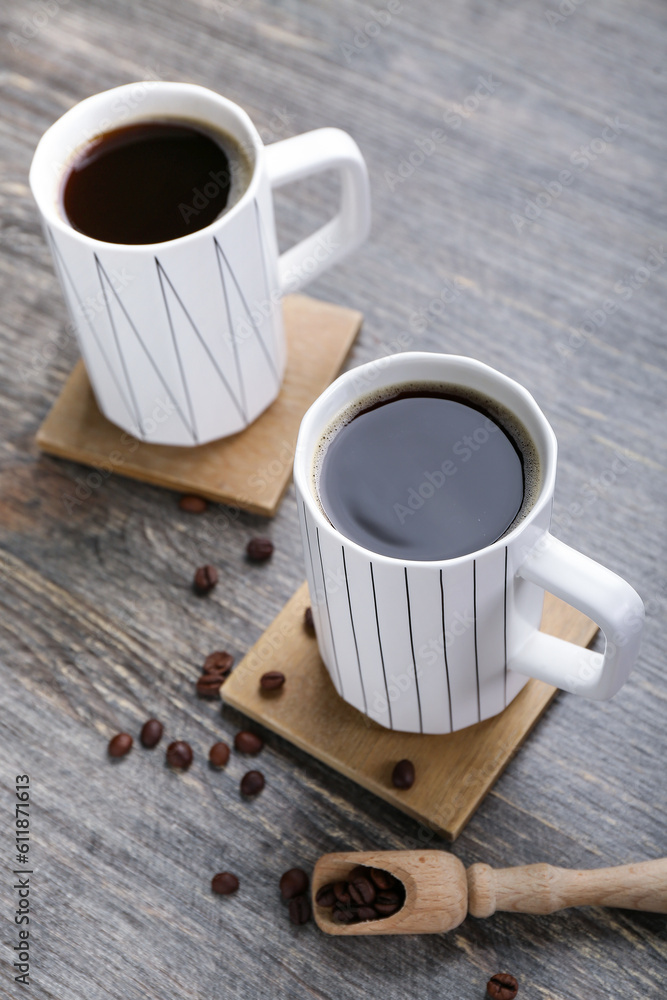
[(98, 626), (454, 771), (250, 470)]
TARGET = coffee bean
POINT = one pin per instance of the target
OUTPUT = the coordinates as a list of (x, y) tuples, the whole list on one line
[(403, 775), (341, 892), (386, 909), (343, 916), (259, 549), (362, 890), (381, 878), (179, 755), (224, 883), (247, 742), (299, 910), (208, 685), (219, 754), (308, 622), (252, 783), (294, 883), (192, 504), (367, 913), (120, 744), (326, 895), (205, 580), (272, 680), (219, 662), (151, 733), (502, 986)]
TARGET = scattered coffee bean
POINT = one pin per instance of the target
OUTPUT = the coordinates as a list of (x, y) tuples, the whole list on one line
[(259, 549), (219, 754), (308, 622), (367, 894), (219, 662), (205, 580), (502, 986), (208, 685), (299, 910), (151, 733), (326, 896), (272, 680), (252, 783), (192, 504), (247, 742), (179, 755), (224, 883), (403, 775), (120, 744), (294, 883)]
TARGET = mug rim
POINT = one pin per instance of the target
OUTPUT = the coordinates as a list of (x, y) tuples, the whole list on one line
[(48, 207), (303, 455)]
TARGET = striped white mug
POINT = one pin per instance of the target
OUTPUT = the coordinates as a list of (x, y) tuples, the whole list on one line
[(432, 647), (183, 341)]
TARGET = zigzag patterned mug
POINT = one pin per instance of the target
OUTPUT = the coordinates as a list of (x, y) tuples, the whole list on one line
[(183, 341), (435, 646)]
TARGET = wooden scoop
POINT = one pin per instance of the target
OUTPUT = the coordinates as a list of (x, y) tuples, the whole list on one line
[(439, 893)]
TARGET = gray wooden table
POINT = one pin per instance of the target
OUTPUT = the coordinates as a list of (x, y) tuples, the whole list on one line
[(480, 245)]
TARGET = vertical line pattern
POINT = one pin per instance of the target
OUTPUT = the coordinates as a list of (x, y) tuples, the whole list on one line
[(412, 648), (474, 618), (232, 331), (354, 632), (178, 353), (505, 633), (261, 237), (384, 673), (444, 649), (326, 601)]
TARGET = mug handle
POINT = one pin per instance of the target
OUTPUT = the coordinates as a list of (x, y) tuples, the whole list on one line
[(290, 160), (603, 596)]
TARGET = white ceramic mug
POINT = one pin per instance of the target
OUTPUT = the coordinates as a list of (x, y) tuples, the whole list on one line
[(183, 340), (433, 647)]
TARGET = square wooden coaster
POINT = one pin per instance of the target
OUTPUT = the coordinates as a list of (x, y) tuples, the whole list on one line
[(251, 469), (454, 772)]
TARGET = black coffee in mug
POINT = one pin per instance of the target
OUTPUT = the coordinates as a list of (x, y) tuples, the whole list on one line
[(153, 181), (426, 472)]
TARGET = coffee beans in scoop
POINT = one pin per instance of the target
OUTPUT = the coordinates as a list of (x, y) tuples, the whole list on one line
[(502, 986), (294, 883), (259, 549), (179, 755), (403, 775), (151, 733), (367, 894), (218, 755), (120, 744), (247, 742), (224, 883), (205, 579), (252, 783)]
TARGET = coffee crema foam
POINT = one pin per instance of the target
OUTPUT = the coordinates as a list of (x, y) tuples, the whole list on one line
[(508, 422)]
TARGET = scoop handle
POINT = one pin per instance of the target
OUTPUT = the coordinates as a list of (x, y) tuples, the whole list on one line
[(543, 888)]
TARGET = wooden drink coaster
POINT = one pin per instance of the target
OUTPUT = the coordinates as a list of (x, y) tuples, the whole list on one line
[(251, 469), (454, 772)]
